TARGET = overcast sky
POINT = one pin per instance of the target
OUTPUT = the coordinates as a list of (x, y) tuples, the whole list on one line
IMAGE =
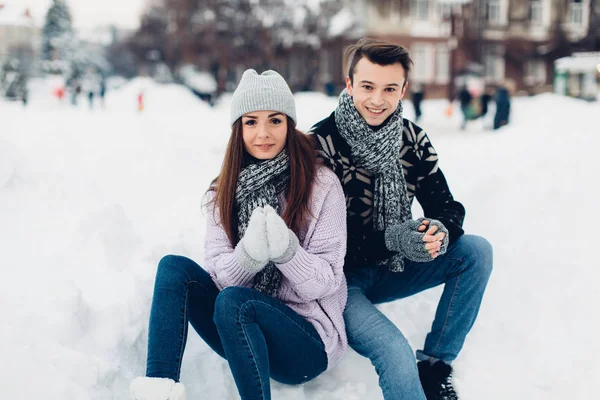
[(89, 13)]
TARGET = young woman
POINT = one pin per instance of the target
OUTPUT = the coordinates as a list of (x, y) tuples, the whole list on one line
[(272, 292)]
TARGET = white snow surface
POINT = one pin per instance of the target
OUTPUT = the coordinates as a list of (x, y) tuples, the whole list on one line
[(201, 81), (90, 200)]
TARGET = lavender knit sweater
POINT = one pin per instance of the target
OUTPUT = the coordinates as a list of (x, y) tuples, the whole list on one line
[(313, 280)]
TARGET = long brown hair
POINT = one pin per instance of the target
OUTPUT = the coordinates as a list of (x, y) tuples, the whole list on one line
[(302, 172)]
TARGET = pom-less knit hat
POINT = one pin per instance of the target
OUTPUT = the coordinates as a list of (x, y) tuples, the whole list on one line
[(267, 91)]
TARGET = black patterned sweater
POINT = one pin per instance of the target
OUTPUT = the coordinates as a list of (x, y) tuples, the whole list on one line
[(423, 177)]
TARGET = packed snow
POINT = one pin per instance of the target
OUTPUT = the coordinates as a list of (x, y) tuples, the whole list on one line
[(91, 199)]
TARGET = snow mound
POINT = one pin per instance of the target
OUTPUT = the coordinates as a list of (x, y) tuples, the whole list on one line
[(9, 156), (161, 98)]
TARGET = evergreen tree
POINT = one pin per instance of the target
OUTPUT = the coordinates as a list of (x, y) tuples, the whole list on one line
[(57, 38), (13, 80)]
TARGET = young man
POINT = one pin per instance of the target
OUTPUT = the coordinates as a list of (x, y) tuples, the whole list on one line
[(383, 162)]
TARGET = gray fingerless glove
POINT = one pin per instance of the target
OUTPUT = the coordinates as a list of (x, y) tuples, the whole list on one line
[(405, 239)]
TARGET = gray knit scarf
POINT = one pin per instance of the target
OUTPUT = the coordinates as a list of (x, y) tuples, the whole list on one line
[(259, 183), (378, 151)]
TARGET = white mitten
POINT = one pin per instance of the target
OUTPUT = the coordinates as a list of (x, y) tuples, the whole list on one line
[(144, 388), (278, 233), (255, 238)]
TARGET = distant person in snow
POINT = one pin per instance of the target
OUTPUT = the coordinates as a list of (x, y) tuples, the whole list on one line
[(465, 98), (418, 94), (140, 101), (90, 86), (502, 107), (485, 99), (384, 162), (102, 92), (271, 294), (91, 99)]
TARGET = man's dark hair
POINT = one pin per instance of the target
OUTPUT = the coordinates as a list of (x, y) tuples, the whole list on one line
[(378, 52)]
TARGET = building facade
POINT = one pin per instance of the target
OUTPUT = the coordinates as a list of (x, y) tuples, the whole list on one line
[(20, 35), (512, 41)]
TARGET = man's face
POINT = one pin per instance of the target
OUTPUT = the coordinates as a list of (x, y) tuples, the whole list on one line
[(376, 90)]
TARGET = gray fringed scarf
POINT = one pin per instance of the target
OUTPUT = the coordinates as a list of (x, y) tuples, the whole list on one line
[(378, 151), (258, 185)]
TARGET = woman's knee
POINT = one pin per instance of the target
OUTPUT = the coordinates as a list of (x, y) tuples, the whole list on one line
[(230, 304), (179, 269)]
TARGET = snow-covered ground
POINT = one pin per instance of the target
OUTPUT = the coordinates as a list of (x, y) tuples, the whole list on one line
[(90, 200)]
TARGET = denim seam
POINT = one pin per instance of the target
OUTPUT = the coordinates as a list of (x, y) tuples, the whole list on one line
[(183, 331), (184, 323), (249, 344), (450, 307), (459, 261)]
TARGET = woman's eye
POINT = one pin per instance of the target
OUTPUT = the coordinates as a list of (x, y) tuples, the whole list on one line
[(276, 121), (250, 122)]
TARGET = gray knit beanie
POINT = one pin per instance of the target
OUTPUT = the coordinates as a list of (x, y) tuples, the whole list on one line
[(267, 91)]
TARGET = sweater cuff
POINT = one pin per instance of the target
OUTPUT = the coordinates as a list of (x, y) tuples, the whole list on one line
[(290, 251), (247, 263), (298, 269)]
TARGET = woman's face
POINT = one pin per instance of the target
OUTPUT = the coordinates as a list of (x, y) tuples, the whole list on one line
[(264, 133)]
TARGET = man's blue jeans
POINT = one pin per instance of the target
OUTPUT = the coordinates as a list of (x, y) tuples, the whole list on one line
[(258, 335), (464, 269)]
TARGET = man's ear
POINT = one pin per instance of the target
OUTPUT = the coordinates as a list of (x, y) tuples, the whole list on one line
[(349, 85), (404, 87)]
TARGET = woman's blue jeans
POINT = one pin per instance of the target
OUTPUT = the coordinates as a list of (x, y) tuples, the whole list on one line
[(258, 335)]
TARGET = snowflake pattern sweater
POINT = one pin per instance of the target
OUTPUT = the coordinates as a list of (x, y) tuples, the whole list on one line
[(424, 180)]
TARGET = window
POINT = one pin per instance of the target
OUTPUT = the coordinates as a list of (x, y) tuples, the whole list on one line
[(576, 12), (493, 63), (442, 64), (535, 72), (422, 55), (445, 10), (493, 11), (535, 11), (420, 9)]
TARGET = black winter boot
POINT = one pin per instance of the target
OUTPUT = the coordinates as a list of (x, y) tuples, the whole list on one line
[(436, 380)]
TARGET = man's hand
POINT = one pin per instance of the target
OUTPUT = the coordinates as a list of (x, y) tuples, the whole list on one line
[(434, 242)]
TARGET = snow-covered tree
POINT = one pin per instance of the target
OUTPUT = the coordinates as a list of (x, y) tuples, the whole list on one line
[(58, 37), (13, 79)]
